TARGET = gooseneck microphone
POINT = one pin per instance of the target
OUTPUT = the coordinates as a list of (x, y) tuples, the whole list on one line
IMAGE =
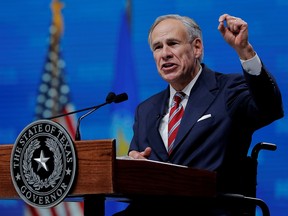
[(111, 97), (120, 98)]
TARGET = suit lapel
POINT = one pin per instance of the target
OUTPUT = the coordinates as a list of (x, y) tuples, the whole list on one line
[(154, 119), (199, 101)]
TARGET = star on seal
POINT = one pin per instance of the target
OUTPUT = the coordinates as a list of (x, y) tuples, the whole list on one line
[(42, 161)]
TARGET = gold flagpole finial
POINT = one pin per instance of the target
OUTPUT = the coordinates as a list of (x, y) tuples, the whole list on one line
[(56, 7)]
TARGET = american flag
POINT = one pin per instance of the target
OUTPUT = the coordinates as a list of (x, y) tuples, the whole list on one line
[(54, 99)]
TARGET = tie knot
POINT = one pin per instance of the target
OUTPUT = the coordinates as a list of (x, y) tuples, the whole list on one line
[(178, 97)]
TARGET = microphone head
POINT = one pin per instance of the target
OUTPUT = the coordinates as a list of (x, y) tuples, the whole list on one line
[(120, 98), (110, 97)]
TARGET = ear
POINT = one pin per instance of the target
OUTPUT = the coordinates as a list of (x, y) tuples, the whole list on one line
[(197, 47)]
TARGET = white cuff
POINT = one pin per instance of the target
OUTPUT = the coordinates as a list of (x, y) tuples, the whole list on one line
[(252, 66)]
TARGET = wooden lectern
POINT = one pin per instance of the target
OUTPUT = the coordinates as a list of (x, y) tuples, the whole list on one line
[(101, 175)]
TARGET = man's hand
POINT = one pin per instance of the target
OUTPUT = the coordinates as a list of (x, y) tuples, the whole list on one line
[(140, 155), (235, 33)]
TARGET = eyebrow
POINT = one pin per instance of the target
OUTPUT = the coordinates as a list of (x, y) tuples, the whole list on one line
[(169, 40)]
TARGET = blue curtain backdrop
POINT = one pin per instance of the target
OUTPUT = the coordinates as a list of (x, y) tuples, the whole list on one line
[(90, 45)]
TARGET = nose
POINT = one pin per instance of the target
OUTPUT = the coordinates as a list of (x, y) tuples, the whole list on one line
[(166, 52)]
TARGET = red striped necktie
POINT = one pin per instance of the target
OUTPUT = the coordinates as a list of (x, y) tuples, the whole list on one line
[(175, 115)]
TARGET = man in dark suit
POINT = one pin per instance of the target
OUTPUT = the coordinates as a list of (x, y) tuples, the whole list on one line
[(221, 111)]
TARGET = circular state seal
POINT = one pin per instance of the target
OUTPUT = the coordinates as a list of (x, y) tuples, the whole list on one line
[(43, 164)]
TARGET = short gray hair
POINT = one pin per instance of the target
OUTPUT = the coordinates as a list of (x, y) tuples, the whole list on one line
[(192, 28)]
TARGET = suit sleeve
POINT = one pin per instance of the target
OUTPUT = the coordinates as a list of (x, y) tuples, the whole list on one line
[(266, 95)]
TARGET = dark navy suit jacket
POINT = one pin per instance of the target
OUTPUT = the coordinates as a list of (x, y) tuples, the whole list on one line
[(222, 112)]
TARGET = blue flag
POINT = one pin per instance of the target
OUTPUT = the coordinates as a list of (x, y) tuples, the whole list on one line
[(124, 81)]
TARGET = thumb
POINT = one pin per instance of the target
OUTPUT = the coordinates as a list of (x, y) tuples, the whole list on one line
[(146, 153)]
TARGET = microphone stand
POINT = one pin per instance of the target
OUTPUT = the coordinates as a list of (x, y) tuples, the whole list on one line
[(76, 111), (77, 135), (111, 97)]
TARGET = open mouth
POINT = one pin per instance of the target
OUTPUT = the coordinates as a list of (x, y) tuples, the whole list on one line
[(168, 66)]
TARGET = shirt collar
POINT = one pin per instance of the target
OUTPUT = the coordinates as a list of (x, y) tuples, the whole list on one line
[(187, 89)]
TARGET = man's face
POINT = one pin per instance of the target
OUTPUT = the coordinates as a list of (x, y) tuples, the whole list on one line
[(174, 54)]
